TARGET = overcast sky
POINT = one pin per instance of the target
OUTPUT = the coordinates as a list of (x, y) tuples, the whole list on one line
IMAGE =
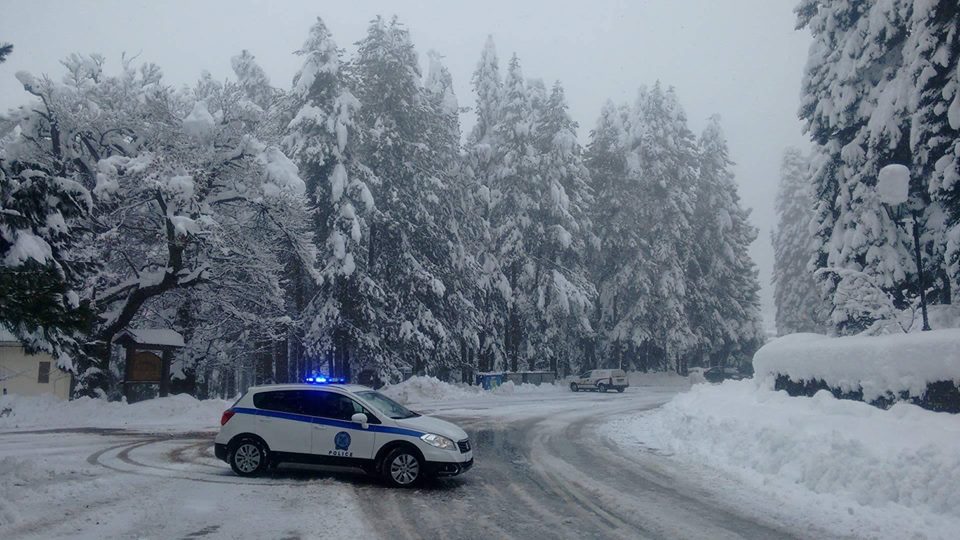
[(739, 58)]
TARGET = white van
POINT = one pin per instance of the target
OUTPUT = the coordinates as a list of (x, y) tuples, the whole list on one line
[(338, 424), (601, 380)]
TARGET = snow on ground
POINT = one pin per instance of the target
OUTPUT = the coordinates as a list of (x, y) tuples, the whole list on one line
[(891, 473), (877, 364), (65, 473), (99, 485), (175, 413)]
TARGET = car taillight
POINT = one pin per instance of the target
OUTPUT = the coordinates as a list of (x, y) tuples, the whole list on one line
[(227, 415)]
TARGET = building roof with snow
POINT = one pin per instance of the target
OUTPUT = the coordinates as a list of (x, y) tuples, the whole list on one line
[(151, 337)]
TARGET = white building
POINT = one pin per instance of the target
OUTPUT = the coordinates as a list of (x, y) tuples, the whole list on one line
[(29, 374)]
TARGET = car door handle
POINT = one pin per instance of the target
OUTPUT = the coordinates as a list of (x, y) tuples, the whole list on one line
[(319, 426)]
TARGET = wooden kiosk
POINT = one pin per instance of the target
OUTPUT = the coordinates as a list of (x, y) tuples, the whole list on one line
[(148, 358)]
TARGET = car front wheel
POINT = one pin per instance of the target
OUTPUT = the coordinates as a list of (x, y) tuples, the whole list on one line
[(574, 387), (403, 468)]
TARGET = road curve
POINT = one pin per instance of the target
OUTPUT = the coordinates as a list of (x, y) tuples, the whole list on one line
[(551, 475)]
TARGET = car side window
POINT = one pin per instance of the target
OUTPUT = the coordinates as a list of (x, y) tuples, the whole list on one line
[(335, 406), (278, 400)]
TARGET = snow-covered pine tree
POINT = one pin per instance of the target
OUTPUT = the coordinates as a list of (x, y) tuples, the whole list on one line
[(662, 158), (253, 80), (515, 202), (564, 291), (5, 50), (323, 137), (932, 73), (478, 171), (798, 305), (856, 103), (412, 250), (464, 220), (41, 268), (723, 303), (620, 246), (488, 87)]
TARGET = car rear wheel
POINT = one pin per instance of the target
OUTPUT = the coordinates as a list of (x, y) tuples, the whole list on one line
[(602, 387), (403, 468), (620, 389), (574, 387), (248, 457)]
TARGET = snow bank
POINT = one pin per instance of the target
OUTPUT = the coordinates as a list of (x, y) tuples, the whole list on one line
[(876, 364), (421, 389), (903, 456), (175, 413)]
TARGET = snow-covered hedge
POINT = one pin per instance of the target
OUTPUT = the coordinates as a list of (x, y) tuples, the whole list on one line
[(923, 367)]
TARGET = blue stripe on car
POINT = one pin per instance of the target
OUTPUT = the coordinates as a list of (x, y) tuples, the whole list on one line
[(326, 421)]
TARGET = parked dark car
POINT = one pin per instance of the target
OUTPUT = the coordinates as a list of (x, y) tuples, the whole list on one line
[(719, 374)]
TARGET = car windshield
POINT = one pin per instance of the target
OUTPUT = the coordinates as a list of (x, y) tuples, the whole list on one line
[(386, 405)]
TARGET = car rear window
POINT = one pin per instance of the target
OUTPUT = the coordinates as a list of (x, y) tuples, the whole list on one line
[(278, 400)]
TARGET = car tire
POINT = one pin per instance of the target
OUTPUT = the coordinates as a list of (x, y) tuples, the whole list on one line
[(602, 388), (621, 389), (403, 467), (574, 387), (248, 457)]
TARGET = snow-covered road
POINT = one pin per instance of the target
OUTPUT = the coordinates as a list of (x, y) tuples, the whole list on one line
[(544, 470)]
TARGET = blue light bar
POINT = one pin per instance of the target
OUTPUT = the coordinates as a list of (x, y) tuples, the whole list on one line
[(324, 380)]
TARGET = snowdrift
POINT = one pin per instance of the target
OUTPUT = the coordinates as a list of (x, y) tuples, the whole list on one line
[(174, 413), (904, 456), (921, 366)]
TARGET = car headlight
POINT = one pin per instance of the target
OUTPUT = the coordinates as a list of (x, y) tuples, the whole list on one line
[(439, 441)]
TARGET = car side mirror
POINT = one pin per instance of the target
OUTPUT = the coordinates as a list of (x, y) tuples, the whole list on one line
[(360, 418)]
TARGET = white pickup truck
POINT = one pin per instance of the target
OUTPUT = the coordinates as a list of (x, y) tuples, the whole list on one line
[(601, 380)]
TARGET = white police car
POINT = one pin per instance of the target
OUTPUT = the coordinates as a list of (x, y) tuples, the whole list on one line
[(338, 424)]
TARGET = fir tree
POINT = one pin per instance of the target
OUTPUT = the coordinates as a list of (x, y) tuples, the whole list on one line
[(515, 202), (487, 85), (932, 69), (323, 137), (478, 177), (722, 289), (564, 289), (662, 156), (412, 250), (857, 106), (253, 81), (620, 248), (797, 303)]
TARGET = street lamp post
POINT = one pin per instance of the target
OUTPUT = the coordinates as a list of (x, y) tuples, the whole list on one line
[(893, 185)]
